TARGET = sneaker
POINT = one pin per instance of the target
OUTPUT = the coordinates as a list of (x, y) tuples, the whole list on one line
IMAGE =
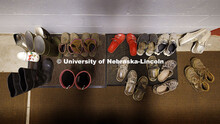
[(201, 70), (85, 36), (143, 41), (131, 83), (151, 46), (191, 37), (116, 41), (153, 69), (171, 48), (195, 80), (162, 44), (131, 40), (199, 46), (122, 69), (166, 87), (141, 88), (167, 70)]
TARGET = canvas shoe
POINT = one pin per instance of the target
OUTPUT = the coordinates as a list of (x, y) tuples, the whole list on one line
[(122, 69), (75, 46), (143, 40), (85, 36), (166, 87), (153, 69), (195, 80), (202, 70), (116, 41), (141, 88), (167, 70), (199, 46), (162, 43), (65, 40), (151, 46), (131, 83), (191, 37), (171, 48), (131, 40), (92, 44)]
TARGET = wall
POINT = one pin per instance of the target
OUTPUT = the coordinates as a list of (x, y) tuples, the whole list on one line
[(109, 16)]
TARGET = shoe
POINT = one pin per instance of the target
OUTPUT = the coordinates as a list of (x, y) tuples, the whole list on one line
[(74, 47), (143, 40), (93, 45), (167, 70), (131, 40), (199, 46), (29, 38), (43, 33), (191, 37), (166, 87), (195, 80), (85, 37), (151, 46), (14, 85), (67, 78), (141, 88), (63, 46), (96, 37), (162, 43), (171, 48), (116, 41), (28, 56), (20, 41), (201, 70), (45, 47), (153, 69), (131, 83), (83, 80), (122, 69)]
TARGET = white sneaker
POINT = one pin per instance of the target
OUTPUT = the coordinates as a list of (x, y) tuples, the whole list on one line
[(171, 48), (199, 46), (191, 37), (162, 44)]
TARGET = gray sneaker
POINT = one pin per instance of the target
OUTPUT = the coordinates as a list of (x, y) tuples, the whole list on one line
[(131, 83), (141, 88), (143, 41), (167, 70), (171, 48), (166, 87), (162, 44)]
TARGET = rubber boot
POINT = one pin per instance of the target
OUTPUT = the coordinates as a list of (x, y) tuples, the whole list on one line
[(83, 80), (45, 47), (29, 38), (20, 41), (14, 85), (67, 79)]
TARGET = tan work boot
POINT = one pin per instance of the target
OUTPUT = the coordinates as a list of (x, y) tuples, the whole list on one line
[(195, 80), (202, 70), (85, 36)]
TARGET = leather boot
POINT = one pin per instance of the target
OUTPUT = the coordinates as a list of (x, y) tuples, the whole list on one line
[(83, 80), (20, 41)]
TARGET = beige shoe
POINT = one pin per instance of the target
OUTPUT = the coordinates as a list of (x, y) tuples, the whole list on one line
[(162, 44), (151, 46), (167, 70), (191, 37), (64, 45), (153, 69), (75, 46), (122, 69), (143, 40), (195, 80), (131, 83), (202, 70), (171, 48), (199, 46), (85, 36), (141, 88), (166, 87)]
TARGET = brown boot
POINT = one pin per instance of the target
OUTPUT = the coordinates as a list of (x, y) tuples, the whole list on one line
[(195, 80), (202, 70)]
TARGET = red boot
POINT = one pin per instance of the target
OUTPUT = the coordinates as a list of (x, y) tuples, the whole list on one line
[(131, 40), (116, 41)]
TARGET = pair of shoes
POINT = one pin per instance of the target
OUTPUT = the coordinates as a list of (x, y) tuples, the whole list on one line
[(41, 42), (82, 80), (134, 87), (200, 38), (27, 79), (167, 71), (167, 44), (119, 38), (146, 44), (198, 75), (71, 44)]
